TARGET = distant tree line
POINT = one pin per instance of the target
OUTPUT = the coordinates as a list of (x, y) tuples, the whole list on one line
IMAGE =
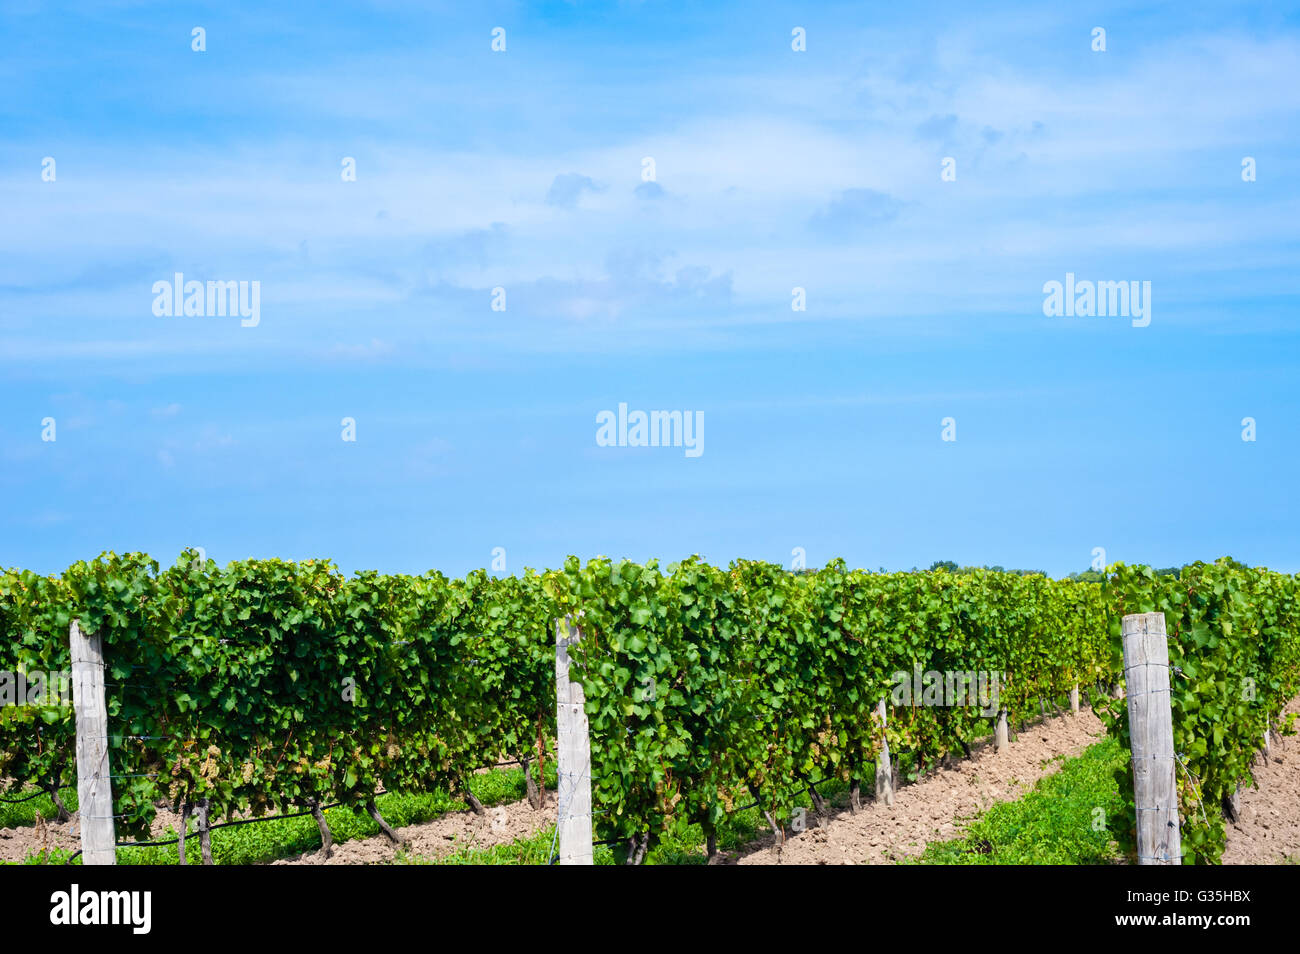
[(1086, 576), (950, 566)]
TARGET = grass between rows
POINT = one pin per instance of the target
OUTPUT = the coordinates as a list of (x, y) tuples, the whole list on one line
[(1062, 821), (24, 814)]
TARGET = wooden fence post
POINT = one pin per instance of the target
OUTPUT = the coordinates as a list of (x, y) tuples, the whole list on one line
[(94, 785), (574, 757), (1151, 736), (884, 769), (1232, 805), (205, 831), (1074, 698), (180, 835), (1001, 736)]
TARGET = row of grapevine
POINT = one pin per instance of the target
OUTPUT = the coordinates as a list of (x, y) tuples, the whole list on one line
[(704, 685), (268, 685), (1234, 653)]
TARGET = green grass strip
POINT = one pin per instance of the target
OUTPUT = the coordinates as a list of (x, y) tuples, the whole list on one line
[(1062, 821), (24, 813)]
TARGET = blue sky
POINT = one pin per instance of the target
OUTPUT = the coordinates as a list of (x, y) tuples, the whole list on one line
[(775, 169)]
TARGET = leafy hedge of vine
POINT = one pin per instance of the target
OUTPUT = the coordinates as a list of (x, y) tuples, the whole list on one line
[(703, 684), (267, 685), (1234, 645)]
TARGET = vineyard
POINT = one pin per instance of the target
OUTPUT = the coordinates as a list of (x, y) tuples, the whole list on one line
[(271, 687)]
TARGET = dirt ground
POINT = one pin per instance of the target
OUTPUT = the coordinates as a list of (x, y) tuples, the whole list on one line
[(441, 836), (936, 807), (17, 843), (1268, 830), (432, 839)]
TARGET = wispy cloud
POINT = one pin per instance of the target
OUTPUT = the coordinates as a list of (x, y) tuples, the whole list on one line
[(567, 188), (521, 173), (855, 211)]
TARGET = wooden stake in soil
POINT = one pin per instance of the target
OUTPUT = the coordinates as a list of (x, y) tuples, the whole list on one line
[(855, 788), (1232, 806), (884, 770), (530, 783), (326, 839), (378, 819), (711, 844), (819, 803), (61, 811), (205, 831), (1001, 734), (63, 814), (180, 839), (1151, 735), (1074, 698), (541, 765), (472, 799), (94, 787), (574, 768)]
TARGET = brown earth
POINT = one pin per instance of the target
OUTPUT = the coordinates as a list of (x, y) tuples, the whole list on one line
[(441, 836), (18, 843), (1267, 831)]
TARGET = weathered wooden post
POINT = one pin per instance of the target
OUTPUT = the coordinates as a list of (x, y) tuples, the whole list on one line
[(180, 838), (1151, 736), (1001, 735), (1074, 698), (574, 765), (205, 831), (94, 785), (1232, 805), (884, 769)]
